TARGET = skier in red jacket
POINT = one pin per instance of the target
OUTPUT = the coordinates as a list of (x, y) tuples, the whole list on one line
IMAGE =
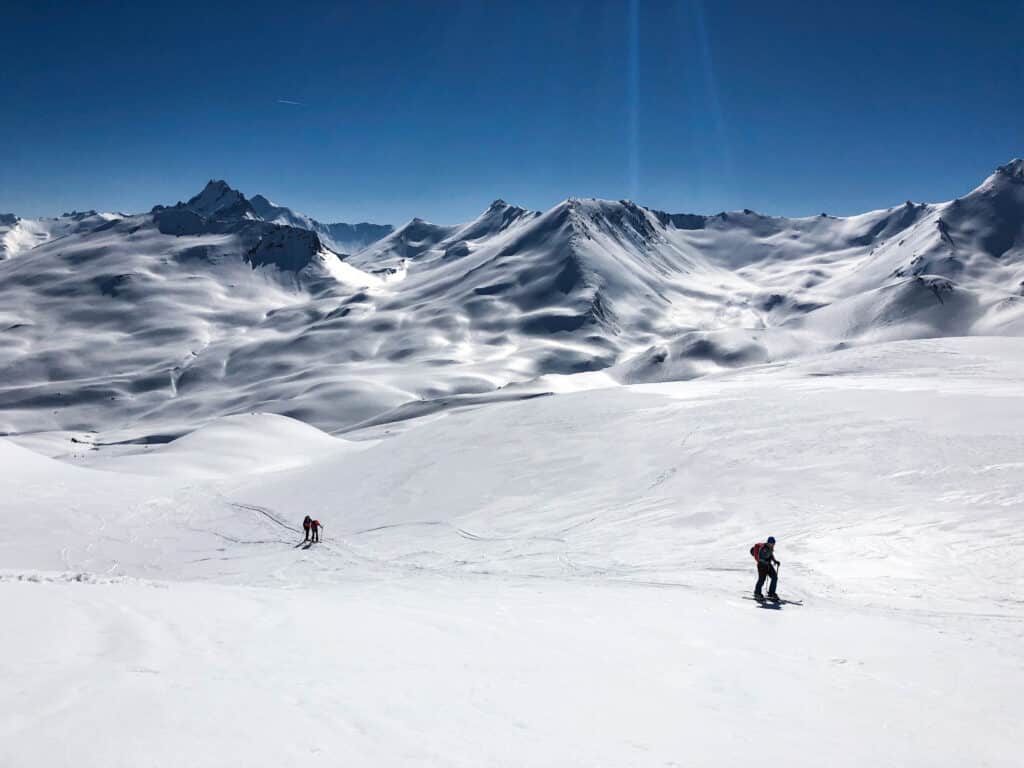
[(764, 554), (316, 525)]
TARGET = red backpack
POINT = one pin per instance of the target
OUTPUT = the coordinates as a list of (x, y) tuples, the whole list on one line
[(755, 551)]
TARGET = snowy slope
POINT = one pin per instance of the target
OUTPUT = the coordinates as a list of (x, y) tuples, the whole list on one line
[(555, 581), (18, 235), (104, 326), (152, 325), (231, 446)]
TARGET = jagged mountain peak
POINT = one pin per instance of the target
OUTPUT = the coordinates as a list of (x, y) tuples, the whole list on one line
[(1013, 169), (417, 230), (219, 185), (621, 219), (503, 205), (219, 200), (78, 215), (1008, 176), (498, 217), (263, 201)]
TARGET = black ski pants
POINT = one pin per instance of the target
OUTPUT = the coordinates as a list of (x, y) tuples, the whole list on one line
[(764, 572)]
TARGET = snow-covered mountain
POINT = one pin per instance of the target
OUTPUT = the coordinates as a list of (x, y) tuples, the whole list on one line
[(148, 325), (218, 200), (340, 237), (18, 235)]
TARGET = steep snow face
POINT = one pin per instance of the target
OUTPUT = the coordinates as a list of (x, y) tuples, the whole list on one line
[(339, 237), (205, 309)]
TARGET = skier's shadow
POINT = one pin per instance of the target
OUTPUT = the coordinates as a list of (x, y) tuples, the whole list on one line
[(303, 544)]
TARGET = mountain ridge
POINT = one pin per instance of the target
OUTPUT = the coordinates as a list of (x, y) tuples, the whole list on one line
[(160, 322)]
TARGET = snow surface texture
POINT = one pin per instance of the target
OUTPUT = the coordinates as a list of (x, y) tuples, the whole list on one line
[(147, 326), (554, 581)]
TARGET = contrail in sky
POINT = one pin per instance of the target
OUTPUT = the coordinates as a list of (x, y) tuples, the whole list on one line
[(289, 101)]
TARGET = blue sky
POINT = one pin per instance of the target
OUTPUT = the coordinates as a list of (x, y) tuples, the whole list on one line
[(433, 109)]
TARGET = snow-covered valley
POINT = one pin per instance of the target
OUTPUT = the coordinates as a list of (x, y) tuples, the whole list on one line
[(541, 445), (556, 581)]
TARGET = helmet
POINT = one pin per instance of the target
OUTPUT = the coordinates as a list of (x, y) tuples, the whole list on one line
[(771, 539)]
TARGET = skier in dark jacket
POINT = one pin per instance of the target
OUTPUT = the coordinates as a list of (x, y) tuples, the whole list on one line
[(766, 562), (307, 523)]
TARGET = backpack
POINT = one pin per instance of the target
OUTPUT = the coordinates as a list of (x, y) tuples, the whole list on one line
[(755, 551)]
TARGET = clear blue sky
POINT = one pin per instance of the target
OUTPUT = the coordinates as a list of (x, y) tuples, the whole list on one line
[(433, 109)]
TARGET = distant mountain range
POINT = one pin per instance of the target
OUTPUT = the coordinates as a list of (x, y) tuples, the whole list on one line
[(143, 326)]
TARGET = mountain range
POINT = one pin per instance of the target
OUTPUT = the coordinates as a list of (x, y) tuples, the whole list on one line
[(141, 327)]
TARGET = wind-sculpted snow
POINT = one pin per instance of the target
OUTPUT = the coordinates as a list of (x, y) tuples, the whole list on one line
[(157, 323)]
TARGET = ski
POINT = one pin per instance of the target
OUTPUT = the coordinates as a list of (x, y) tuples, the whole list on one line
[(773, 601)]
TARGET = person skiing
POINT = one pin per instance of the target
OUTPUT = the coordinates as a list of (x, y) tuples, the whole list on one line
[(764, 554), (316, 525), (307, 523)]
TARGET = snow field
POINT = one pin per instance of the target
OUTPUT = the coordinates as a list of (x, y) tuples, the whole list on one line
[(555, 581)]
